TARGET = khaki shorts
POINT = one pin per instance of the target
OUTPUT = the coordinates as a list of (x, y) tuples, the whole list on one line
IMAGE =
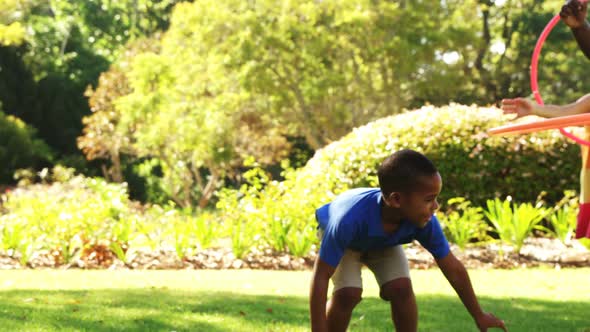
[(387, 265)]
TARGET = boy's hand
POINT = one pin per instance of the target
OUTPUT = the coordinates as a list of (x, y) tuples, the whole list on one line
[(573, 13), (487, 320), (519, 106)]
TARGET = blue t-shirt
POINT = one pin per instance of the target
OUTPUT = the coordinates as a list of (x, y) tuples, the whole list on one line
[(353, 221)]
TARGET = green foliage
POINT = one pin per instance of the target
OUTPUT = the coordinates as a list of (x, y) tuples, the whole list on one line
[(182, 232), (585, 242), (20, 148), (454, 137), (190, 114), (75, 214), (189, 232), (463, 223), (102, 137), (514, 222), (12, 32), (564, 217), (206, 229), (323, 68), (253, 220), (490, 59), (65, 216), (15, 240), (154, 189), (233, 78), (308, 68), (66, 35), (275, 233), (244, 233), (300, 241), (65, 45), (319, 68)]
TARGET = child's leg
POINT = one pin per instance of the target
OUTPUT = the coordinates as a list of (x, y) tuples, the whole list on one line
[(347, 291), (404, 311), (390, 267)]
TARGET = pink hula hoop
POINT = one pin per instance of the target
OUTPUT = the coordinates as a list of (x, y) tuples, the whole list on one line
[(534, 65)]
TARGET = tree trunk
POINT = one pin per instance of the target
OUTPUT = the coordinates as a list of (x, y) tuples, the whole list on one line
[(116, 173), (209, 190)]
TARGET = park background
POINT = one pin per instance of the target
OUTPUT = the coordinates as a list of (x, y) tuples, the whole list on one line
[(139, 134)]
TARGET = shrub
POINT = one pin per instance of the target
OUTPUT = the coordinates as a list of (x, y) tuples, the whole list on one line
[(463, 223), (473, 165), (64, 217), (564, 218), (19, 148), (183, 229), (77, 216), (514, 222)]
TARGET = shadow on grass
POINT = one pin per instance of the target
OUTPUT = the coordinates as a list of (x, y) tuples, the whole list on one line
[(160, 309)]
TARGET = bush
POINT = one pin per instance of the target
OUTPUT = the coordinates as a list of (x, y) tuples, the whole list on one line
[(473, 165), (463, 223), (77, 217), (165, 227), (64, 217), (514, 222), (19, 148), (565, 216)]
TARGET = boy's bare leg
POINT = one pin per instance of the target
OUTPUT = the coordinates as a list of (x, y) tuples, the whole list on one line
[(404, 311), (340, 306)]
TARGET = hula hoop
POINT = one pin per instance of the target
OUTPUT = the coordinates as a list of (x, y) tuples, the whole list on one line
[(535, 86), (546, 124)]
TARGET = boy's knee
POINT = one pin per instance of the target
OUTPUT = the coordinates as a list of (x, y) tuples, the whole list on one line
[(400, 289), (348, 297)]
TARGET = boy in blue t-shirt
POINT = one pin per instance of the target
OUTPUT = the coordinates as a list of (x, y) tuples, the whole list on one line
[(367, 227)]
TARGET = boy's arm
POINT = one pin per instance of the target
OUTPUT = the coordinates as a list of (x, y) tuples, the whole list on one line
[(318, 296), (457, 276), (573, 14)]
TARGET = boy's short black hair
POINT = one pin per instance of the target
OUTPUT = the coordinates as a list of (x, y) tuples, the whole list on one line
[(402, 171)]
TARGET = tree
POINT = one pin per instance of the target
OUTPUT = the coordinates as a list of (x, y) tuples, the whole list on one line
[(102, 137), (66, 47), (493, 62), (324, 67), (192, 139), (319, 68), (20, 148), (11, 32), (314, 69)]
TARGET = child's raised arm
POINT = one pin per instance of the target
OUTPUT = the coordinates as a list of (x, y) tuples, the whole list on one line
[(523, 107)]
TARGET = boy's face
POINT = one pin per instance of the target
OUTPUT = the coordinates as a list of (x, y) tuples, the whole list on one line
[(419, 205)]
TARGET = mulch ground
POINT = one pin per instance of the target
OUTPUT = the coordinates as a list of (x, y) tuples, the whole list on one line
[(536, 252)]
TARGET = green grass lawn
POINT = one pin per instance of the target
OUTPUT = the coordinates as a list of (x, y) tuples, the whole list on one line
[(55, 300)]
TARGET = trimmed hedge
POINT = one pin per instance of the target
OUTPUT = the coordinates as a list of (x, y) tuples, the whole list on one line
[(473, 165)]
